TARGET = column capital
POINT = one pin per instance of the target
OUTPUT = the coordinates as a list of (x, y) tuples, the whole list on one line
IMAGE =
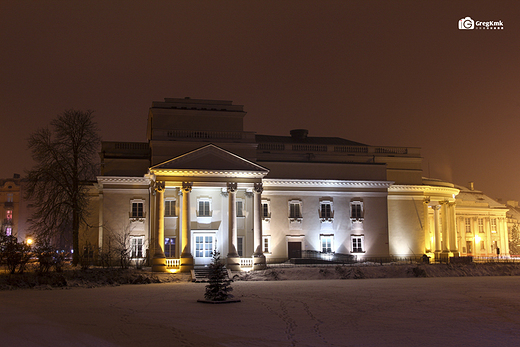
[(426, 201), (186, 187), (159, 186), (231, 187), (258, 188)]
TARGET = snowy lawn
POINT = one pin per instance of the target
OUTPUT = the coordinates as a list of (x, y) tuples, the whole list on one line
[(474, 311)]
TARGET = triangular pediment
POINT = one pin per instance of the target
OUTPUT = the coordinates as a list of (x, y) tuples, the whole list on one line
[(211, 160)]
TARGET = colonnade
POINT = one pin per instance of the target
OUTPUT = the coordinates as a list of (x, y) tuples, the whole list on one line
[(444, 240), (186, 258)]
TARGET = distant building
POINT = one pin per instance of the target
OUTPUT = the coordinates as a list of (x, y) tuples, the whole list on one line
[(10, 197), (202, 183)]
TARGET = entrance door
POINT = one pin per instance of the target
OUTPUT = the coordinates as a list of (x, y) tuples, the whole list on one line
[(204, 246), (294, 249)]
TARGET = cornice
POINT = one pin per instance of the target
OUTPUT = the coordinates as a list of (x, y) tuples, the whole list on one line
[(207, 173), (123, 180), (424, 189), (326, 183)]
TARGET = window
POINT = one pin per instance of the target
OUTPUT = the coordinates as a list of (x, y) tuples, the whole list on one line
[(240, 208), (326, 243), (295, 209), (467, 222), (266, 244), (169, 247), (137, 209), (358, 244), (326, 212), (469, 247), (8, 231), (204, 208), (482, 245), (9, 216), (480, 225), (9, 197), (493, 225), (203, 246), (240, 246), (266, 210), (169, 208), (136, 246), (356, 210)]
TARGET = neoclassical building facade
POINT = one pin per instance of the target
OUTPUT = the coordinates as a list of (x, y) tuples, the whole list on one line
[(201, 183)]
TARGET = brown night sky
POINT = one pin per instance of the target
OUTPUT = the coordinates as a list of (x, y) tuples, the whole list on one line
[(393, 73)]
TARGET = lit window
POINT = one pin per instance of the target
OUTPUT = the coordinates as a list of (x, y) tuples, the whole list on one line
[(266, 244), (136, 246), (295, 209), (358, 244), (204, 208), (326, 243), (240, 208), (8, 231), (467, 222), (493, 225), (9, 216), (169, 208), (204, 245), (169, 247), (356, 210)]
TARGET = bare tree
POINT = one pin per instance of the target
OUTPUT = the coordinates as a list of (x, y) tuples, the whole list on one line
[(65, 157)]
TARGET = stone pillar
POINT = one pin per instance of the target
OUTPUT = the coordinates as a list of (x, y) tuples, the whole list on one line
[(101, 222), (159, 259), (445, 223), (258, 256), (454, 248), (186, 256), (233, 260), (426, 226), (437, 229)]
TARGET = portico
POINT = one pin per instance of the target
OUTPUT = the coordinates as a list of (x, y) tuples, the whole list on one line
[(217, 208)]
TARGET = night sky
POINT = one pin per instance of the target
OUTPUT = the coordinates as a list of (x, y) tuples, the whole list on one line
[(383, 73)]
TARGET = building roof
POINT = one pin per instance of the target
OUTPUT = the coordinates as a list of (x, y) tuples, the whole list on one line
[(307, 140)]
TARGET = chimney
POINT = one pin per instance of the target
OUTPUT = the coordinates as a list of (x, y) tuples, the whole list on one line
[(299, 134), (471, 186)]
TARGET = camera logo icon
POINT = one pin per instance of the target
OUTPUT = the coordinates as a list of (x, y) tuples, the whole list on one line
[(466, 23)]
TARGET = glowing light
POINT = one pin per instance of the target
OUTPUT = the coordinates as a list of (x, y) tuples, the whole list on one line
[(172, 270), (29, 241), (477, 239)]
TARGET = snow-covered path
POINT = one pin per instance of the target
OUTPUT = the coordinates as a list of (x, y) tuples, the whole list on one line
[(474, 311)]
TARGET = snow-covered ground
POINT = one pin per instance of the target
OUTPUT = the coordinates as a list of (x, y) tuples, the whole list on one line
[(449, 311)]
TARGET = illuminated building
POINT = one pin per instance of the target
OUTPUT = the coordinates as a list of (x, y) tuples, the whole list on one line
[(10, 200), (202, 183)]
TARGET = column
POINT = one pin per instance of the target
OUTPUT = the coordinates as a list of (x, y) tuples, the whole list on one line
[(100, 222), (233, 260), (159, 259), (454, 248), (186, 256), (426, 226), (437, 229), (445, 231), (258, 256)]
